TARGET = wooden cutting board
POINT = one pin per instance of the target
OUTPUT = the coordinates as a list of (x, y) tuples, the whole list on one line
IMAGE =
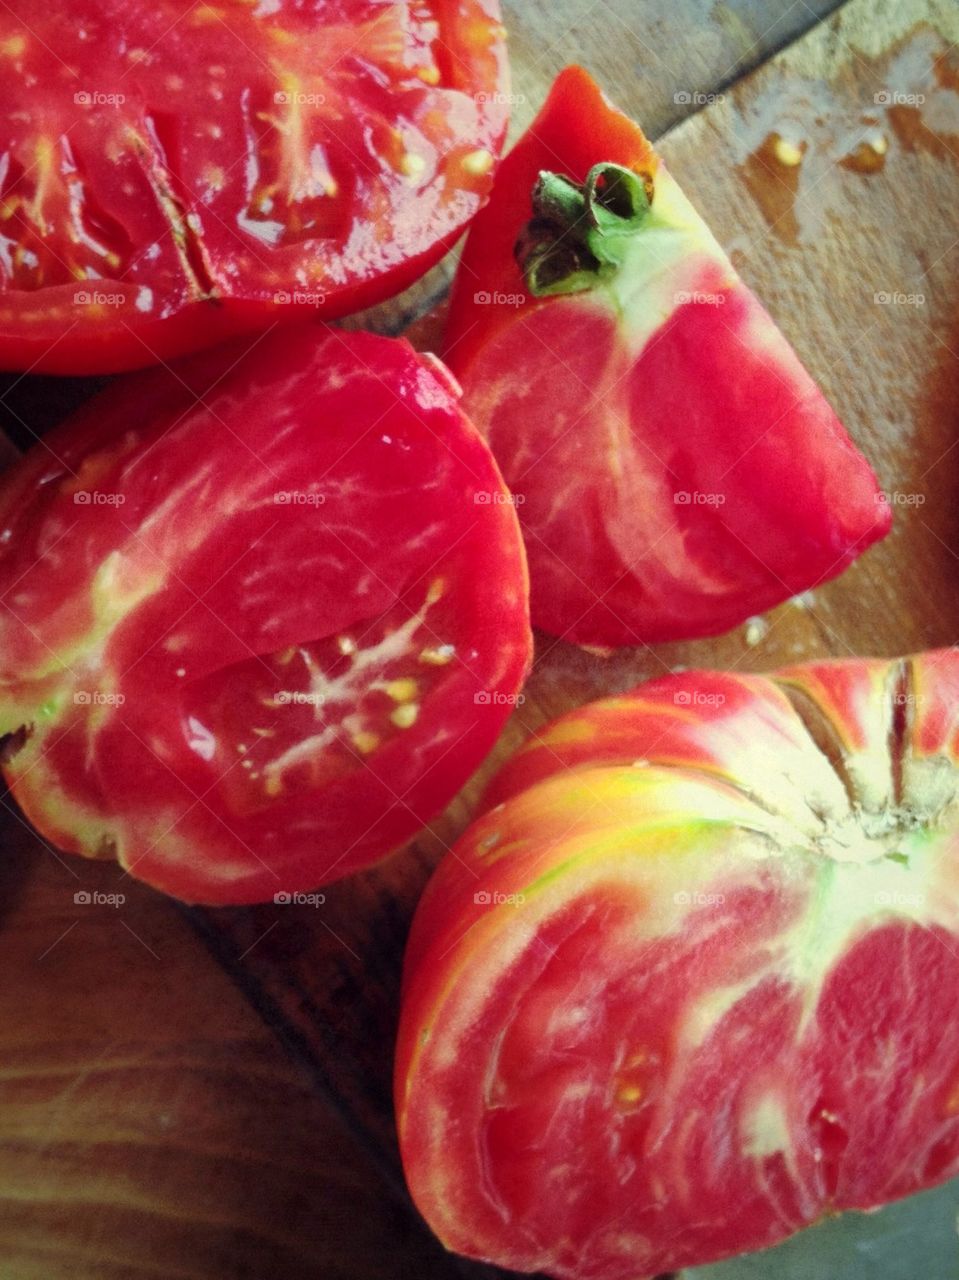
[(870, 98)]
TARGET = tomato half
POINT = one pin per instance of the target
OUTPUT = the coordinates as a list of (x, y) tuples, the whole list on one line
[(261, 614), (174, 173), (690, 984), (678, 468)]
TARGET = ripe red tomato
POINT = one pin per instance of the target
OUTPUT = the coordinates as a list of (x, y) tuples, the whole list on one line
[(690, 984), (252, 641), (678, 468), (174, 173)]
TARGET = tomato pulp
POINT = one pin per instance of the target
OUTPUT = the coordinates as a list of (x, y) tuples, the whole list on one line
[(677, 467), (263, 613), (173, 173), (689, 984)]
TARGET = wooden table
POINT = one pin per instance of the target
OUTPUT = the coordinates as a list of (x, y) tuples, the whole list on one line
[(152, 1120)]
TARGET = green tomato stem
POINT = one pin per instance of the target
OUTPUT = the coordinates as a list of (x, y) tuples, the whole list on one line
[(578, 234)]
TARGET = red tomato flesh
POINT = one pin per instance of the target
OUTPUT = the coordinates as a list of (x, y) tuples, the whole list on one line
[(263, 614), (689, 985), (174, 173), (677, 468)]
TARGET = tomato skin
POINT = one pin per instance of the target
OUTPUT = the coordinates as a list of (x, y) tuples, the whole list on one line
[(264, 613), (128, 343), (317, 159), (679, 470), (686, 987)]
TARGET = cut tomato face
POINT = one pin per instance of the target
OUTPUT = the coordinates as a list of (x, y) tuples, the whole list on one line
[(261, 615), (678, 469), (689, 985), (172, 173)]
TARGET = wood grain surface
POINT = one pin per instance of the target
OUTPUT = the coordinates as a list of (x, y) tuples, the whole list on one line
[(150, 1123)]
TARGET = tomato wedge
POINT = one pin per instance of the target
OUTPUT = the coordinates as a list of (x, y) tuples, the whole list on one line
[(263, 613), (678, 468), (175, 173), (689, 985)]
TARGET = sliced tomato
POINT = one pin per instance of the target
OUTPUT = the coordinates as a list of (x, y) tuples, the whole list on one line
[(689, 985), (261, 614), (174, 173), (678, 469)]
